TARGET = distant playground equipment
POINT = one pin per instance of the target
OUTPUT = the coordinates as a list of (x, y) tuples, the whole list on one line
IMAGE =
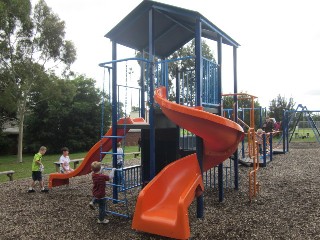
[(272, 142), (299, 125), (244, 117), (302, 125), (265, 152)]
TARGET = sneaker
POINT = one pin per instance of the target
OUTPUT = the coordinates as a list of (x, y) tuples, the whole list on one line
[(104, 221), (31, 190), (44, 190), (91, 205)]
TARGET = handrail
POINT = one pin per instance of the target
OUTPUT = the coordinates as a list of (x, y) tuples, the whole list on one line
[(122, 60)]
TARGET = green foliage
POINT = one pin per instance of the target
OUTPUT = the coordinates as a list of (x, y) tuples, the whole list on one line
[(188, 50), (279, 105), (37, 38), (31, 44), (183, 65), (315, 116), (186, 65), (15, 17), (244, 107), (7, 144), (71, 118), (135, 109)]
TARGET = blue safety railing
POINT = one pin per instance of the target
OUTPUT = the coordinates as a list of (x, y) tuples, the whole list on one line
[(210, 84), (210, 177)]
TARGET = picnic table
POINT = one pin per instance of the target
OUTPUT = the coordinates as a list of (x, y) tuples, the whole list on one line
[(74, 161)]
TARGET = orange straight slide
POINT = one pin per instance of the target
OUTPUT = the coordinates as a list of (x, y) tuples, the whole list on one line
[(105, 145), (162, 206)]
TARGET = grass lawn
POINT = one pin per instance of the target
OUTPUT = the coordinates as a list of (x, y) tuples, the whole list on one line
[(303, 135), (23, 170)]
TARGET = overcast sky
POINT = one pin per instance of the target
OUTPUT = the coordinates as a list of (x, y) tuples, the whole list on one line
[(279, 52)]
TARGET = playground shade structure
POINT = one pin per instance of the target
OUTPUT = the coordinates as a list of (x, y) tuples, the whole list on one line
[(162, 206), (94, 154)]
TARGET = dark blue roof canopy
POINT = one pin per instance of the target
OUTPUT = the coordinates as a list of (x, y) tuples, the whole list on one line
[(173, 27)]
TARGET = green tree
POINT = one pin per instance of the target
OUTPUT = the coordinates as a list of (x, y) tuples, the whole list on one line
[(71, 118), (182, 65), (187, 65), (135, 108), (315, 116), (85, 115), (46, 119), (278, 105), (244, 107), (32, 45)]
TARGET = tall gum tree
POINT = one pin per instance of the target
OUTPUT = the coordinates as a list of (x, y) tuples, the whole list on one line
[(32, 45)]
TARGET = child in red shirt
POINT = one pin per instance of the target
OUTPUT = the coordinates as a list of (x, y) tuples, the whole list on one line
[(99, 190)]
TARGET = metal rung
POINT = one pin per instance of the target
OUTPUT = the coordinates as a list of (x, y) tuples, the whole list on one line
[(110, 168), (111, 153), (113, 184), (118, 153), (116, 200), (112, 136), (132, 186), (118, 214), (106, 152)]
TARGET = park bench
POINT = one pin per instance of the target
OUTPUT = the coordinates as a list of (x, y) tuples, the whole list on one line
[(135, 154), (9, 174), (74, 161)]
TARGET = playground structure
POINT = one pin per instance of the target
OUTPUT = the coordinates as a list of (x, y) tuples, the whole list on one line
[(158, 30), (94, 154), (251, 118), (300, 124), (251, 137), (162, 206)]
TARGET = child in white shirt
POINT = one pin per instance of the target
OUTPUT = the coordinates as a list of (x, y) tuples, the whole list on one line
[(65, 161)]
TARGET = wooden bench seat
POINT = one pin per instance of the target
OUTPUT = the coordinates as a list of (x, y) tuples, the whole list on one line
[(135, 154), (9, 174), (74, 161)]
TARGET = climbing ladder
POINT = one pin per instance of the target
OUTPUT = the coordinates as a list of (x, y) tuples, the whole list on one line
[(254, 185), (118, 184)]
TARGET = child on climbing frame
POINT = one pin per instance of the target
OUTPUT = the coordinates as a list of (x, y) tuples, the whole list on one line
[(259, 138), (99, 190)]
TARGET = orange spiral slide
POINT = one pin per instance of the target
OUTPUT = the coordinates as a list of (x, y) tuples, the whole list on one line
[(105, 145), (162, 205)]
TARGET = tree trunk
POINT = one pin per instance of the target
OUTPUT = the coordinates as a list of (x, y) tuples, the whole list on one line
[(21, 112)]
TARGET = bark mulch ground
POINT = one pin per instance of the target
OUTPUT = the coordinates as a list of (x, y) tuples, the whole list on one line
[(288, 207)]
